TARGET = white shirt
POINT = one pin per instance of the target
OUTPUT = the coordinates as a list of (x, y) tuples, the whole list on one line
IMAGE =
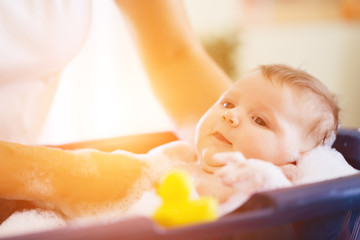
[(37, 39)]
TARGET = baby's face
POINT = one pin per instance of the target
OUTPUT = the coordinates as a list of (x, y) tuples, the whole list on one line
[(260, 119)]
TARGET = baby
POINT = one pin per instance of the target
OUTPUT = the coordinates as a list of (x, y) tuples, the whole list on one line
[(266, 121), (252, 139)]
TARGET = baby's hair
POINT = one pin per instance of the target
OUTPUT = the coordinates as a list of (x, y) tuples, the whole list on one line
[(320, 129)]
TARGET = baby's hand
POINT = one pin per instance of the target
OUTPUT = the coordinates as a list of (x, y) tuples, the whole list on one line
[(249, 175)]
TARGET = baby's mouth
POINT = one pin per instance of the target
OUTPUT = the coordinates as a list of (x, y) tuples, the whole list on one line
[(221, 138)]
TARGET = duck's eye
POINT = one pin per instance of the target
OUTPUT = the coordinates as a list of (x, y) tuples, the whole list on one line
[(227, 104), (259, 121)]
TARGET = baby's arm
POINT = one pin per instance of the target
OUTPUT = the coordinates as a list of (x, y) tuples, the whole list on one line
[(250, 175), (247, 176)]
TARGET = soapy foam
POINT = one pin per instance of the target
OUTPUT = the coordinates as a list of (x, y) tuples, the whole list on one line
[(89, 167), (41, 186), (30, 221), (145, 205), (322, 163)]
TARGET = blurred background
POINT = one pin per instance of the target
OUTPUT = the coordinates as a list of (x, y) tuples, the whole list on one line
[(104, 91)]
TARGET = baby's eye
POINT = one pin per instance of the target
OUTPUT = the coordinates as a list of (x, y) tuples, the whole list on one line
[(227, 104), (259, 121)]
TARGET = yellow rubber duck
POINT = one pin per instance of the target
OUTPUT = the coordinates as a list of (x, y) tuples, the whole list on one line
[(178, 208)]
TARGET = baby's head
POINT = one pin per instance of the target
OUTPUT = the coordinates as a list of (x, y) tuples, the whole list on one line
[(275, 113)]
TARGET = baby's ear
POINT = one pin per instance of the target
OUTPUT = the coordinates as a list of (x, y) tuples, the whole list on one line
[(329, 138)]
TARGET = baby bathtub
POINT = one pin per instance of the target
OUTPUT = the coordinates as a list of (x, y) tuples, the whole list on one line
[(324, 210)]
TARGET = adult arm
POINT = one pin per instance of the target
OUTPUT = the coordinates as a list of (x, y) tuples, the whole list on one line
[(75, 182), (183, 77)]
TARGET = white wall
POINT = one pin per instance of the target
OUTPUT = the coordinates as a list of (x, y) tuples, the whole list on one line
[(104, 91)]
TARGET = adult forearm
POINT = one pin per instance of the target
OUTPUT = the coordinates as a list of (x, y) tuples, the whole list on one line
[(73, 182), (160, 29), (184, 78)]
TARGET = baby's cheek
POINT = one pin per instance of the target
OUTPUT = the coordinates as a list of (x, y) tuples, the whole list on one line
[(254, 148), (264, 148), (276, 154), (284, 154)]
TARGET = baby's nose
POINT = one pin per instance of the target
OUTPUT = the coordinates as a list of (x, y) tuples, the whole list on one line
[(231, 118)]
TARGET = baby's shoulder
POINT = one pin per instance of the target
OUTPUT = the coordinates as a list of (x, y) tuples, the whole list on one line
[(177, 150)]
